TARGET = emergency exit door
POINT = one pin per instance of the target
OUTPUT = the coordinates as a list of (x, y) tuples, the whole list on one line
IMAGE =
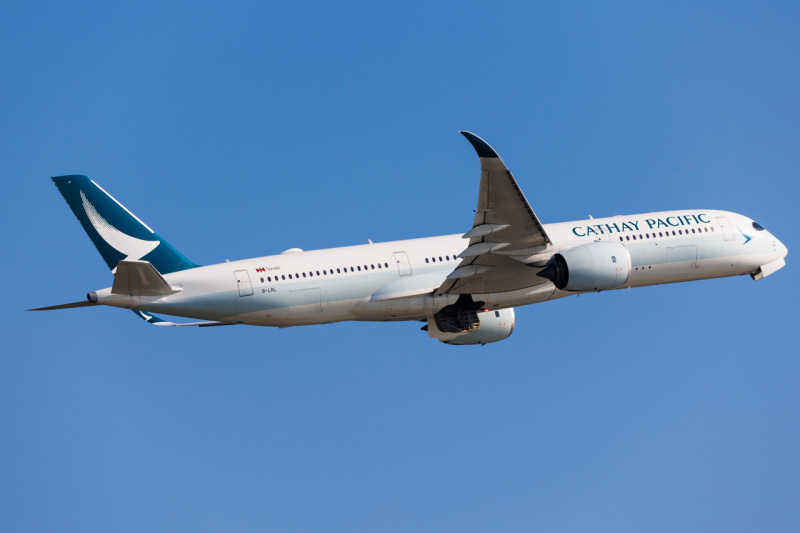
[(403, 266), (727, 231), (243, 282)]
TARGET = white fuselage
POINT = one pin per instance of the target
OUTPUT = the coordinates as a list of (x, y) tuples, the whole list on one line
[(397, 280)]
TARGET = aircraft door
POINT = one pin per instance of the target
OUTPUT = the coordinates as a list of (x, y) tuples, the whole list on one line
[(403, 266), (304, 303), (681, 260), (243, 282), (727, 231)]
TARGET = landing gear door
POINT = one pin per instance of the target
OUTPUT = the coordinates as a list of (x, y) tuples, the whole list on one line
[(243, 282), (403, 266)]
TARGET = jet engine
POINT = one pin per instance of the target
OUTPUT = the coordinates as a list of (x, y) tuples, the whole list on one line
[(599, 266), (488, 326)]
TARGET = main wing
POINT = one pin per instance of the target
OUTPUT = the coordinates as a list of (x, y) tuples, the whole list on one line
[(505, 232)]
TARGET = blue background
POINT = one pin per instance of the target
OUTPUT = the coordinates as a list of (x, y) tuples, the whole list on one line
[(243, 131)]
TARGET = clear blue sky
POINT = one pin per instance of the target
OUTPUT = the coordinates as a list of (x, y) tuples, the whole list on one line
[(243, 131)]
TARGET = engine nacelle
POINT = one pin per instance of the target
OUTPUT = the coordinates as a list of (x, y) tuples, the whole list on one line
[(599, 266), (494, 326)]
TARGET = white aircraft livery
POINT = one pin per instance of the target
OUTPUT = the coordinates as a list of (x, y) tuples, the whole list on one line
[(464, 286)]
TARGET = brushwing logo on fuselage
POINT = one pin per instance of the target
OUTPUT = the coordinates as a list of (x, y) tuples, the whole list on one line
[(131, 247), (747, 238)]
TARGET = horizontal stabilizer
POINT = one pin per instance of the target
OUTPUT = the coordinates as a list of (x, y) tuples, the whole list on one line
[(140, 278), (65, 306), (156, 321)]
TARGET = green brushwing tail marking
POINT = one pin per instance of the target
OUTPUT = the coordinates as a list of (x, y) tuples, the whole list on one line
[(116, 232)]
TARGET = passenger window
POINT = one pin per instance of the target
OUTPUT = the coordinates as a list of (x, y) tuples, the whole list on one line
[(706, 229), (660, 234), (447, 257), (497, 313), (620, 238), (290, 276), (440, 259), (262, 280), (673, 232), (627, 238), (284, 277), (433, 259), (338, 271), (317, 272), (640, 236), (351, 269), (304, 274), (680, 232), (427, 260), (712, 228), (692, 230), (634, 237), (647, 235), (386, 265), (324, 272), (379, 265), (359, 268)]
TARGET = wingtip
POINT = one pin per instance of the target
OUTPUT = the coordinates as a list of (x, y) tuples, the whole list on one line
[(481, 146)]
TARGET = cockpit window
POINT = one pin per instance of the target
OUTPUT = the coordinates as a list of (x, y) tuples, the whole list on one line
[(757, 226)]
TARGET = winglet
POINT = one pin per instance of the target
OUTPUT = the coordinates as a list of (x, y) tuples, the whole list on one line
[(481, 146)]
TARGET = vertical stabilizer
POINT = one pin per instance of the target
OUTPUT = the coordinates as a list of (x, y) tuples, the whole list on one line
[(116, 232)]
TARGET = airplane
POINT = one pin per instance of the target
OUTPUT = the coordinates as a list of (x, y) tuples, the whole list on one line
[(464, 287)]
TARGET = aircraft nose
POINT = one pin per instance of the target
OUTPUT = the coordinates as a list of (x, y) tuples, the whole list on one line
[(779, 247)]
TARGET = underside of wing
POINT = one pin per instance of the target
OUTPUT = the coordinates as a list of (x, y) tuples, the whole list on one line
[(504, 275), (506, 234)]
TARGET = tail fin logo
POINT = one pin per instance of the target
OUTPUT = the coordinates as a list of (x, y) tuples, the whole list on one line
[(132, 247)]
